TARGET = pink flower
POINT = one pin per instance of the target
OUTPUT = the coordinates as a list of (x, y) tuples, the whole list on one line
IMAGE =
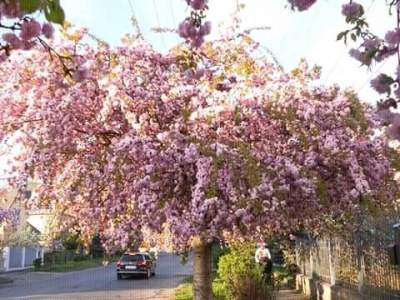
[(385, 53), (48, 30), (205, 28), (3, 57), (12, 40), (184, 28), (356, 54), (301, 5), (197, 4), (387, 104), (193, 34), (27, 45), (382, 83), (385, 116), (393, 36), (371, 44), (197, 41), (80, 74), (352, 10), (30, 29), (360, 56)]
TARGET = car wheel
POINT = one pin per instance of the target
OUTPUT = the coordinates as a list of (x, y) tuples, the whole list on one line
[(148, 274), (154, 273), (119, 276)]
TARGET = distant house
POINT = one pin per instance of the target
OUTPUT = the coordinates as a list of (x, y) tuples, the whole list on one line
[(18, 256)]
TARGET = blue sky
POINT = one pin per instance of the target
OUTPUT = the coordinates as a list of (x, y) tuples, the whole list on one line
[(292, 36)]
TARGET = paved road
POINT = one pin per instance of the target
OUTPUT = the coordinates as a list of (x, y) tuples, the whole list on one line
[(97, 283)]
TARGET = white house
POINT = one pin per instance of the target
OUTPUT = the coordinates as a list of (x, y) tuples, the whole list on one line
[(19, 256)]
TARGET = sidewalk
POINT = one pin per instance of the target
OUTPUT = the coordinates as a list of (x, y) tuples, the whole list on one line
[(290, 295)]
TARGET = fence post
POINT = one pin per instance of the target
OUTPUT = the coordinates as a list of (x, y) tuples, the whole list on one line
[(311, 262), (360, 259), (331, 256), (23, 257), (42, 255), (361, 274), (396, 229), (296, 251), (6, 256)]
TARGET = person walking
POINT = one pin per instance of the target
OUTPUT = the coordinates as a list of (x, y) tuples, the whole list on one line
[(264, 258), (154, 251)]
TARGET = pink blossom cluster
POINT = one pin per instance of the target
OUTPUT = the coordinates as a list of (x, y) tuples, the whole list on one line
[(382, 83), (352, 10), (393, 36), (372, 49), (387, 116), (197, 4), (301, 5), (9, 216), (30, 30), (22, 31), (193, 29), (195, 34), (143, 145)]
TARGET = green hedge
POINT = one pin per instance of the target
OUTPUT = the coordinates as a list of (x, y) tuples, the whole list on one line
[(63, 257), (217, 252), (241, 277)]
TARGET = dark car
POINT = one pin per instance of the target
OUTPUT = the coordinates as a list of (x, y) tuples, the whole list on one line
[(136, 264)]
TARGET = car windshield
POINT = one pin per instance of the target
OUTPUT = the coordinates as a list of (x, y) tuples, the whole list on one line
[(128, 257)]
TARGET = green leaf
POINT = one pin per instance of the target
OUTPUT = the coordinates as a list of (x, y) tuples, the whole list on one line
[(30, 6), (54, 12), (340, 35), (353, 37)]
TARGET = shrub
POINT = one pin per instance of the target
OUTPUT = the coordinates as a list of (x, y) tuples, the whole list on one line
[(241, 276), (81, 258), (217, 252), (37, 263), (71, 241), (49, 258)]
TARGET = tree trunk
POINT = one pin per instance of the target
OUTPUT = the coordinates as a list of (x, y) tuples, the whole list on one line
[(202, 281)]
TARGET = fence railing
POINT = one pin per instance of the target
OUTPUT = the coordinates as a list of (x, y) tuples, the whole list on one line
[(362, 263)]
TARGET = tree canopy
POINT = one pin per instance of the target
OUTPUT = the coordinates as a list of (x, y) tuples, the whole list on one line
[(210, 143)]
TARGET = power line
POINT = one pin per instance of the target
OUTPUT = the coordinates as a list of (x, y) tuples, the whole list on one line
[(134, 19), (174, 23), (159, 23), (372, 76), (171, 8)]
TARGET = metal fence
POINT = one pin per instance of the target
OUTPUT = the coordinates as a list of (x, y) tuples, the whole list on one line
[(362, 261)]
